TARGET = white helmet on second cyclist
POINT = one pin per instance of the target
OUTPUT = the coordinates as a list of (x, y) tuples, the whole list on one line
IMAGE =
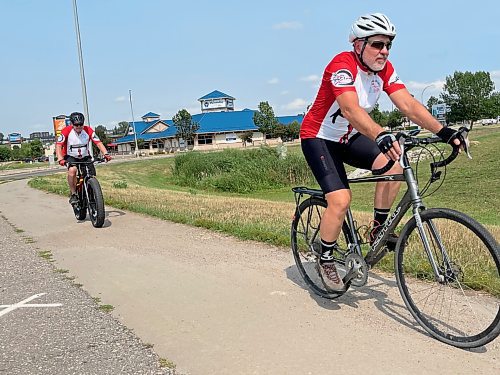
[(372, 24)]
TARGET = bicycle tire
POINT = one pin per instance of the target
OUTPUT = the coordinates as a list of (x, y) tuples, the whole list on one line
[(306, 247), (80, 209), (95, 203), (463, 309)]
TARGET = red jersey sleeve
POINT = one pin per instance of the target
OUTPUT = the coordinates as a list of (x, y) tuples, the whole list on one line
[(342, 72), (92, 134)]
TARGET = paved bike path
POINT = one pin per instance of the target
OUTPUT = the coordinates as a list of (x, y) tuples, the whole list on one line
[(216, 305)]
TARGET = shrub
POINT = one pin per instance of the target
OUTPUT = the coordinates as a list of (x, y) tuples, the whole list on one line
[(241, 171)]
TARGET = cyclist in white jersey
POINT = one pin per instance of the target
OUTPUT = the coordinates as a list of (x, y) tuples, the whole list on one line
[(73, 144), (337, 129)]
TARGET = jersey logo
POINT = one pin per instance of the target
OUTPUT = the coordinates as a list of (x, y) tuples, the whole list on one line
[(95, 137), (374, 86), (342, 77), (60, 138)]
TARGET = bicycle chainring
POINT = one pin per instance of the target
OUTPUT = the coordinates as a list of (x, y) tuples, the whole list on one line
[(355, 260)]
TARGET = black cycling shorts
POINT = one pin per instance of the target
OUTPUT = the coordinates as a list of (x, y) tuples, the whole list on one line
[(71, 159), (327, 158)]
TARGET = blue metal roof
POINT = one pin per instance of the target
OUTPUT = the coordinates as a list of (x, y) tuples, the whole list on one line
[(211, 122), (216, 95), (151, 115)]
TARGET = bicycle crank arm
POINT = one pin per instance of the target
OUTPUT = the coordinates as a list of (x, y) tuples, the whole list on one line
[(358, 270), (353, 273)]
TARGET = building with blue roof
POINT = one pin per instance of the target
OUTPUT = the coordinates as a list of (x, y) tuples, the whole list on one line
[(220, 126)]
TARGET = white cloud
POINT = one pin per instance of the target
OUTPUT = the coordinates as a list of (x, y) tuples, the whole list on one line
[(495, 77), (120, 99), (273, 81), (422, 91), (310, 78), (284, 92), (287, 25), (296, 104)]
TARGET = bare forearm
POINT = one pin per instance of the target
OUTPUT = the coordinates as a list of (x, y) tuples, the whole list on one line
[(59, 152), (421, 116), (362, 122)]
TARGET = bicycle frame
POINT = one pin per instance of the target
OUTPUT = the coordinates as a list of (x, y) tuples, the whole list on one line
[(411, 198)]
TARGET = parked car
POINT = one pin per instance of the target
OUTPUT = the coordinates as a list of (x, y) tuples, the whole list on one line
[(488, 121)]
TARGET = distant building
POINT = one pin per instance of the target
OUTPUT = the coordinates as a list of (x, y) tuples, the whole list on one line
[(44, 137), (216, 101), (15, 139), (220, 127)]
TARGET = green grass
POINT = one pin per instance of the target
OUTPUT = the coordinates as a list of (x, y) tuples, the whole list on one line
[(471, 186), (14, 165)]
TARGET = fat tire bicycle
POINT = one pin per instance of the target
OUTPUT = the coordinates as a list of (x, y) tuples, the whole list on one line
[(447, 265), (88, 189)]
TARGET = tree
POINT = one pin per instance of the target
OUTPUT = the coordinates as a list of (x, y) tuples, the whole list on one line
[(101, 133), (186, 127), (492, 106), (378, 116), (395, 119), (293, 130), (432, 101), (467, 94), (16, 153), (121, 129), (265, 120), (35, 149), (1, 137), (246, 137), (5, 153)]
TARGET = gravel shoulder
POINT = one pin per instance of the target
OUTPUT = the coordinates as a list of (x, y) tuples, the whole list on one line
[(66, 332)]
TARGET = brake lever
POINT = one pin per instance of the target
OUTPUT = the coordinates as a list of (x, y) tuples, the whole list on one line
[(464, 135)]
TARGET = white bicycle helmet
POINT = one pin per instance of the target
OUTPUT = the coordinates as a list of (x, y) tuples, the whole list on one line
[(372, 24)]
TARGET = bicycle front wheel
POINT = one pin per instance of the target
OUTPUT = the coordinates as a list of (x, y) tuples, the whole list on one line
[(306, 246), (79, 209), (461, 305), (95, 203)]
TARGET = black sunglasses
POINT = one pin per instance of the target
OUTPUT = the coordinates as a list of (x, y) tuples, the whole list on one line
[(77, 124), (378, 44)]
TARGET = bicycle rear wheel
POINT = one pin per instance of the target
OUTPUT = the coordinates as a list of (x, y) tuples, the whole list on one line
[(306, 247), (463, 307), (96, 202)]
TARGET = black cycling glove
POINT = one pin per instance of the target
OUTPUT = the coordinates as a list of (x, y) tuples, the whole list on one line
[(384, 141), (447, 134)]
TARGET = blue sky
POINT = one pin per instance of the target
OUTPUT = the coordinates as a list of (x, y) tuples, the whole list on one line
[(170, 53)]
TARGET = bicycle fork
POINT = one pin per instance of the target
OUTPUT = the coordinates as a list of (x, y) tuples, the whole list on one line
[(436, 240)]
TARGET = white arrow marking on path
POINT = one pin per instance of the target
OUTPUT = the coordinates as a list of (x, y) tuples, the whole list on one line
[(9, 308)]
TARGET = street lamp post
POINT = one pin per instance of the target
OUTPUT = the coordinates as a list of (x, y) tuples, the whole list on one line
[(422, 96), (82, 70), (133, 122)]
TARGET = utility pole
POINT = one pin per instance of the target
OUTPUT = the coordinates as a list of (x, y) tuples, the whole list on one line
[(82, 70), (133, 123)]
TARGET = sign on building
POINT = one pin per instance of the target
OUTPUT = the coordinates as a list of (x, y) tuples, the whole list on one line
[(60, 122)]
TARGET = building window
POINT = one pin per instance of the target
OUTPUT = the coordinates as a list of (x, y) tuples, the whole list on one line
[(231, 137), (205, 139)]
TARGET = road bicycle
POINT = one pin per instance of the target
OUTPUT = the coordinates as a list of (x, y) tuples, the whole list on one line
[(88, 189), (446, 264)]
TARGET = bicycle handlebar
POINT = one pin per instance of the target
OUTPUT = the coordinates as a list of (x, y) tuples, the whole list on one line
[(408, 141), (95, 161)]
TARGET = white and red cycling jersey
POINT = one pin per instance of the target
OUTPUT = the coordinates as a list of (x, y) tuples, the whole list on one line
[(344, 73), (77, 145)]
